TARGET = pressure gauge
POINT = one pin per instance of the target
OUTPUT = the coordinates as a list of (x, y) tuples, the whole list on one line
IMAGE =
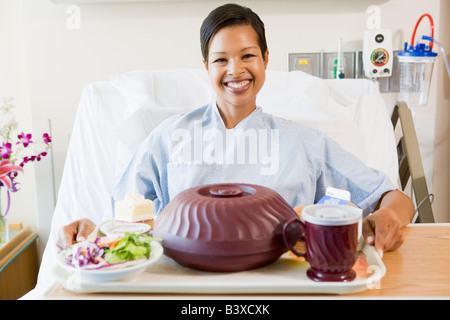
[(379, 57)]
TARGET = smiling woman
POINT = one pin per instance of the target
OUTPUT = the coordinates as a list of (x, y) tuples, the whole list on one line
[(236, 57), (235, 54)]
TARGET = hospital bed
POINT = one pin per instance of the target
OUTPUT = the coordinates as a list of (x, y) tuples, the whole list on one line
[(114, 116)]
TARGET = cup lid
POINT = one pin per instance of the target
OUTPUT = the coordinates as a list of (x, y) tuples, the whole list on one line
[(331, 215)]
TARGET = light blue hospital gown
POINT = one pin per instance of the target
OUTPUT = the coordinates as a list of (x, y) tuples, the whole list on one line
[(298, 162)]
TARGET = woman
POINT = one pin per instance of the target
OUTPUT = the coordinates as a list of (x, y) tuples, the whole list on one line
[(232, 140)]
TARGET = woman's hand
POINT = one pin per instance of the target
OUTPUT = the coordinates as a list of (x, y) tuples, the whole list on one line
[(383, 228), (77, 231)]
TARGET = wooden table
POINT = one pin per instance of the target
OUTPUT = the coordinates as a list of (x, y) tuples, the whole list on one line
[(420, 268), (18, 264)]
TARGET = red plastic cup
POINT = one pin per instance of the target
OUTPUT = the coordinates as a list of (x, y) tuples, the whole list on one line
[(331, 236)]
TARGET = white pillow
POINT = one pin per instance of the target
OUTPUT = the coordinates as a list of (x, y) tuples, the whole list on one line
[(180, 89)]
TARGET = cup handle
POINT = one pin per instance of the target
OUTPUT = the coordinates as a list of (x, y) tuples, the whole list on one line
[(285, 235)]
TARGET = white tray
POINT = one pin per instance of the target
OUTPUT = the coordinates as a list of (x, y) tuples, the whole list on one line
[(286, 275)]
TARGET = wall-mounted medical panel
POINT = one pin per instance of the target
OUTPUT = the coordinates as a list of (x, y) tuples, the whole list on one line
[(310, 63), (330, 63), (325, 65)]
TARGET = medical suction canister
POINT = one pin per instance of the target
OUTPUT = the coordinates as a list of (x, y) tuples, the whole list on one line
[(416, 66)]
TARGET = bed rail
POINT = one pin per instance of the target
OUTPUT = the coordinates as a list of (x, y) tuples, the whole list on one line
[(410, 162)]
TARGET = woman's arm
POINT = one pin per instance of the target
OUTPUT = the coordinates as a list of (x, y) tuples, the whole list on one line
[(383, 227)]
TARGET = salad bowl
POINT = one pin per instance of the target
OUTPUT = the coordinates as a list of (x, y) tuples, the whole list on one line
[(111, 272)]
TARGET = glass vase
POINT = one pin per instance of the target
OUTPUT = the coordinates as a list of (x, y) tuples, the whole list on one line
[(4, 232)]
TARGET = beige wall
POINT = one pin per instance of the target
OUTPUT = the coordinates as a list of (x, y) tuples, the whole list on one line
[(441, 186), (46, 64), (13, 82)]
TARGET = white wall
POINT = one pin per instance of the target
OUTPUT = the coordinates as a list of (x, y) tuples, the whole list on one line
[(52, 63), (13, 82), (441, 181)]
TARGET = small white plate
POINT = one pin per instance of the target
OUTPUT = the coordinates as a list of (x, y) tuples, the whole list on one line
[(112, 228), (106, 274)]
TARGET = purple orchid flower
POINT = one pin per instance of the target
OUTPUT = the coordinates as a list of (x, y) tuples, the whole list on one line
[(47, 138), (5, 150), (25, 139)]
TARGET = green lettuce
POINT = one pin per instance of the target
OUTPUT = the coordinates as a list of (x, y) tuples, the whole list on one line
[(131, 247)]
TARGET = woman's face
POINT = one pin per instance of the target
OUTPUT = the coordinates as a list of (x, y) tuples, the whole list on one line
[(236, 66)]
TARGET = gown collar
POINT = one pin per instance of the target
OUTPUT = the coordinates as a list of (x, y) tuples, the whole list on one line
[(243, 122)]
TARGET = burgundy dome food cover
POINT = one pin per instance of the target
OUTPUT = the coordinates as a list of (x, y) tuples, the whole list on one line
[(225, 227)]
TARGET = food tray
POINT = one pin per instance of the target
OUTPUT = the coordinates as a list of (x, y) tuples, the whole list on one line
[(285, 276)]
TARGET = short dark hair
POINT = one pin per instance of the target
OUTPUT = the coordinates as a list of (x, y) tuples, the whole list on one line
[(230, 15)]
